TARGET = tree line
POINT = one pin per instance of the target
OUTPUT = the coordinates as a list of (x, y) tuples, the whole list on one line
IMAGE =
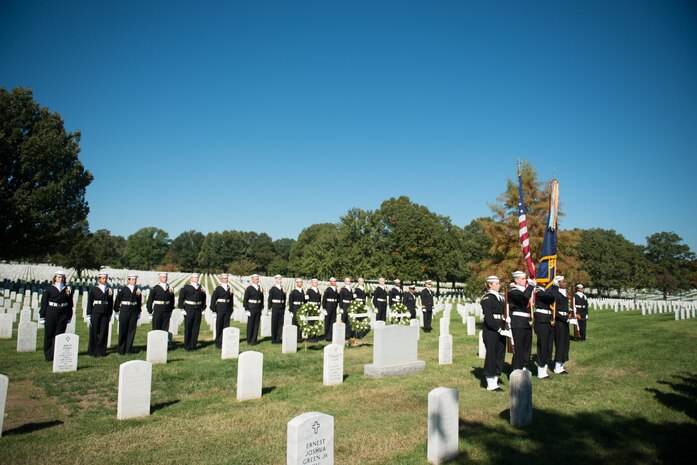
[(41, 175)]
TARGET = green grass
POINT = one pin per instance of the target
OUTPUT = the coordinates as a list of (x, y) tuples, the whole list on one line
[(630, 397)]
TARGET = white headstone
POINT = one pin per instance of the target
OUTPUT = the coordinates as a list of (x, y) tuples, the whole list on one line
[(25, 315), (333, 364), (231, 343), (471, 328), (5, 326), (482, 347), (287, 319), (379, 324), (26, 336), (4, 382), (109, 333), (249, 375), (443, 424), (157, 346), (415, 323), (445, 349), (289, 343), (444, 326), (395, 350), (521, 398), (135, 382), (339, 333), (71, 325), (65, 352), (265, 325), (310, 439)]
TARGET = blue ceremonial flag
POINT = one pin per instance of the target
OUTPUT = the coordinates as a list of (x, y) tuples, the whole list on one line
[(547, 269)]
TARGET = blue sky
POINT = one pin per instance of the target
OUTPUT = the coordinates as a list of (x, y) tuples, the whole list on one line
[(271, 116)]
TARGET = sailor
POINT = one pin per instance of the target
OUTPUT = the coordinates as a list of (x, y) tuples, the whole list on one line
[(396, 293), (520, 319), (494, 334), (561, 328), (100, 306), (253, 304), (277, 305), (359, 291), (581, 308), (410, 301), (127, 306), (427, 305), (56, 311), (380, 300), (192, 302), (544, 302), (161, 303), (330, 300), (221, 304), (296, 298), (345, 299), (313, 294)]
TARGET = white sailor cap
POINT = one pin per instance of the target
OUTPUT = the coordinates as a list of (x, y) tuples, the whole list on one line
[(298, 280), (558, 278), (59, 273), (315, 280), (397, 281), (132, 275), (224, 275), (162, 273), (102, 273), (579, 286), (254, 276), (518, 274), (413, 286), (428, 281), (492, 279), (278, 276), (332, 278)]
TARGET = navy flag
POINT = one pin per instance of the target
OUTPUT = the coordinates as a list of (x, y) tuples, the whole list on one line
[(547, 269)]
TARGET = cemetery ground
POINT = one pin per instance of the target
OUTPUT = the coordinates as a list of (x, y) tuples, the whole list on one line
[(630, 397)]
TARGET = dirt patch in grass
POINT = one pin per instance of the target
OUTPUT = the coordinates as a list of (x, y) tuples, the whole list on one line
[(27, 404)]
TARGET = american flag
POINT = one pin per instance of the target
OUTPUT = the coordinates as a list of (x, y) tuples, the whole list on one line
[(523, 228)]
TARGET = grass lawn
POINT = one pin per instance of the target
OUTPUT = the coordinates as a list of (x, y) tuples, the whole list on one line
[(630, 397)]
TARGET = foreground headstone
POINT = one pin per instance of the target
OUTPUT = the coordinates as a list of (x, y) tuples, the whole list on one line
[(249, 375), (333, 364), (444, 325), (521, 398), (25, 315), (414, 322), (5, 326), (265, 325), (310, 439), (135, 383), (157, 346), (445, 349), (339, 333), (443, 423), (289, 343), (4, 382), (65, 352), (394, 352), (26, 336), (231, 343), (482, 347)]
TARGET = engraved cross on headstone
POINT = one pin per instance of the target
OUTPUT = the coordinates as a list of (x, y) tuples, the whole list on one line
[(315, 426)]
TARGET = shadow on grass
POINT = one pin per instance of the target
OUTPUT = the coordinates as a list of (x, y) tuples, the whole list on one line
[(161, 405), (267, 390), (31, 427), (595, 437), (684, 399)]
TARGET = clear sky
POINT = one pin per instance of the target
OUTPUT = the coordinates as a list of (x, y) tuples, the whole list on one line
[(272, 116)]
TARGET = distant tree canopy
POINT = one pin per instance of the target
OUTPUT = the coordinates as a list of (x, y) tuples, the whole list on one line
[(145, 249), (42, 181), (673, 263)]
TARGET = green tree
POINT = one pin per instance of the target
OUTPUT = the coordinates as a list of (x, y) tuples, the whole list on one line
[(185, 248), (672, 262), (357, 253), (42, 181), (146, 248), (83, 255), (607, 258), (279, 263), (315, 252), (109, 248)]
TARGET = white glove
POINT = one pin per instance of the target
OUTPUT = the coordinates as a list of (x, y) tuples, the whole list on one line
[(508, 320), (573, 321), (532, 282), (184, 312), (116, 315), (507, 333), (248, 313), (42, 321), (88, 320)]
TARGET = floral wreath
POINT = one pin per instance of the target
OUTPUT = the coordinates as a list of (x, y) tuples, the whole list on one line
[(399, 315), (359, 318), (310, 319)]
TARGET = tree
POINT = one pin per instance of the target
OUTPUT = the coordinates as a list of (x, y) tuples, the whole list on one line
[(279, 263), (607, 258), (357, 253), (84, 253), (145, 249), (315, 252), (671, 260), (109, 248), (42, 181), (185, 248)]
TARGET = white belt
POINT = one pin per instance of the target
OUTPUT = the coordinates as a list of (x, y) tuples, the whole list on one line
[(254, 301), (223, 300), (297, 303), (159, 302), (191, 302), (498, 316), (276, 301), (331, 300), (545, 312), (56, 304), (381, 300), (98, 302), (523, 314), (129, 303)]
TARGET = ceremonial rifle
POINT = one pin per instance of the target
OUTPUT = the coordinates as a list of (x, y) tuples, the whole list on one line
[(572, 314), (509, 340)]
